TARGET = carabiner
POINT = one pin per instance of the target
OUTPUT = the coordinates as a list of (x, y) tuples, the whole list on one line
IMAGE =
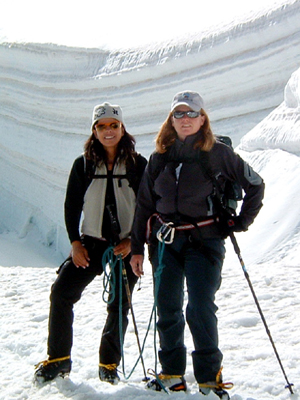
[(166, 233)]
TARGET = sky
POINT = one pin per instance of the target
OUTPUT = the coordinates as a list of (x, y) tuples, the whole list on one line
[(115, 24)]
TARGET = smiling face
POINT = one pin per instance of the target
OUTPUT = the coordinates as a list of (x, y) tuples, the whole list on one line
[(186, 126), (109, 132)]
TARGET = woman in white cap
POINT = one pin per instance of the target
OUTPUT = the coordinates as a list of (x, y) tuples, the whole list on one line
[(102, 185), (178, 205)]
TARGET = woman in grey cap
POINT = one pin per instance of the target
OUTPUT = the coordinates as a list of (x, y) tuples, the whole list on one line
[(180, 216), (102, 186)]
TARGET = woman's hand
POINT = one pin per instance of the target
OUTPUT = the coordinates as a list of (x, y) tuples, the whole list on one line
[(123, 248), (136, 263), (80, 256)]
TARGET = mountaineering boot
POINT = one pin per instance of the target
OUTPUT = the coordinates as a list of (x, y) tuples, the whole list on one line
[(217, 387), (221, 393), (175, 383), (108, 373), (51, 368)]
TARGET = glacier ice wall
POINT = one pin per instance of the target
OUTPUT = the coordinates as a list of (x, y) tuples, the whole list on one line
[(48, 91)]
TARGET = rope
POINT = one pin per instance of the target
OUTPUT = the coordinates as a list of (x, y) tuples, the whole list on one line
[(157, 278), (109, 280)]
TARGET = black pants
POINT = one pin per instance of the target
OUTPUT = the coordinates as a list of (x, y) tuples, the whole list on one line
[(201, 267), (67, 290)]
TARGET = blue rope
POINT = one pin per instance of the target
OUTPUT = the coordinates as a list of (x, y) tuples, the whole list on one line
[(109, 280), (157, 278)]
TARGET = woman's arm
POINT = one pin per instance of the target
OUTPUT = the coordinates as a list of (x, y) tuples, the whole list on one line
[(74, 199)]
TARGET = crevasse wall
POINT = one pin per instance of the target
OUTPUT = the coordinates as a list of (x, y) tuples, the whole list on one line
[(47, 94)]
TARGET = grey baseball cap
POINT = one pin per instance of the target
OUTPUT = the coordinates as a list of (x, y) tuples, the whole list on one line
[(188, 98), (106, 110)]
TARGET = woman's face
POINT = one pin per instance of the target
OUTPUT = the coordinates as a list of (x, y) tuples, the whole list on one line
[(186, 126), (109, 132)]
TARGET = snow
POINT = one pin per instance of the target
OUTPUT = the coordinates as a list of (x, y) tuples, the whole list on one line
[(249, 76)]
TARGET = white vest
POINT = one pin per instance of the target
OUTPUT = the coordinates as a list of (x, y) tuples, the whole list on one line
[(94, 202)]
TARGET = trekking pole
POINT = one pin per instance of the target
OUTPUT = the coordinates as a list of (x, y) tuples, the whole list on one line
[(124, 272), (238, 252)]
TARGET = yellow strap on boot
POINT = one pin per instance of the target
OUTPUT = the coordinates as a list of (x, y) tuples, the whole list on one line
[(150, 371), (218, 384), (110, 367), (46, 362)]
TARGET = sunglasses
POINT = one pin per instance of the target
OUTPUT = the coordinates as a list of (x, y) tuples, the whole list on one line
[(113, 125), (181, 114)]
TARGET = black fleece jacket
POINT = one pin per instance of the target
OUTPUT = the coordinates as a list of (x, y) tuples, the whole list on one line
[(77, 185), (189, 193)]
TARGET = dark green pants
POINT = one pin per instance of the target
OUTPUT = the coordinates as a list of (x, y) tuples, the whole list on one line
[(200, 266)]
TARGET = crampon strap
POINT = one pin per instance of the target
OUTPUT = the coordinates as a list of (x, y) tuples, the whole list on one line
[(150, 371), (218, 384), (110, 367), (54, 360)]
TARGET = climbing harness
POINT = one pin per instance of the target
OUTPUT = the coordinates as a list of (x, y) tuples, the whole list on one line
[(167, 230)]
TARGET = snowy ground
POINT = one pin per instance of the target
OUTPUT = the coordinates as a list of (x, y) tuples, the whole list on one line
[(249, 360)]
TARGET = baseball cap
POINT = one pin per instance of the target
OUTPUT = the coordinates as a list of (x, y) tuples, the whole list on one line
[(106, 110), (188, 98)]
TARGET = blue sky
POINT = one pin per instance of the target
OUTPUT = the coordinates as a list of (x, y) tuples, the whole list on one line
[(116, 23)]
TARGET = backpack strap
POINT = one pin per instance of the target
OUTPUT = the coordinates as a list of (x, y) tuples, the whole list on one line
[(160, 163), (203, 157), (134, 170), (89, 171)]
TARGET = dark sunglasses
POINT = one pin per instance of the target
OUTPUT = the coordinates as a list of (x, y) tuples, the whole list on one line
[(181, 114)]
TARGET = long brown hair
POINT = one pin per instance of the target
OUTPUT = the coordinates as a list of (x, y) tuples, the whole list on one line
[(94, 150), (167, 135)]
